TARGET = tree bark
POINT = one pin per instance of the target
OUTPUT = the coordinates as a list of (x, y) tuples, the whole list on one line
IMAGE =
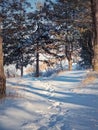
[(21, 65), (37, 61), (2, 76), (70, 65), (69, 58), (21, 70), (94, 8)]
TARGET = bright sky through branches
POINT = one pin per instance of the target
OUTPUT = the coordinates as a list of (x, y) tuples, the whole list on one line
[(34, 2)]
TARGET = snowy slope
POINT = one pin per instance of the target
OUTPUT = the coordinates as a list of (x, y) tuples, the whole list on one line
[(60, 102)]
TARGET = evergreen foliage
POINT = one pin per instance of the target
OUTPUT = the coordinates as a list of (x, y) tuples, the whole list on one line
[(58, 29)]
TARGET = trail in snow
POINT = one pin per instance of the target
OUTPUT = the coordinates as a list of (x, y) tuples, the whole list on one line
[(57, 103)]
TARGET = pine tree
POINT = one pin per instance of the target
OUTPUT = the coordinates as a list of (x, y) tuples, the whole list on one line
[(15, 32)]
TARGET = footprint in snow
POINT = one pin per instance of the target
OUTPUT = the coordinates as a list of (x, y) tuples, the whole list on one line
[(56, 106)]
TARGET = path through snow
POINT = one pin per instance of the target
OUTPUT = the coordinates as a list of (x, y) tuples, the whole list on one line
[(56, 103)]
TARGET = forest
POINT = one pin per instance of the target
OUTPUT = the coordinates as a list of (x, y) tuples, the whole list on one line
[(42, 38)]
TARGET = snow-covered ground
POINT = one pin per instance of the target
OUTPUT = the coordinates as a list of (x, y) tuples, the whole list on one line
[(61, 102)]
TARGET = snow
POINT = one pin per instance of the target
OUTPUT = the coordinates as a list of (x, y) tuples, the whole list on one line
[(59, 102)]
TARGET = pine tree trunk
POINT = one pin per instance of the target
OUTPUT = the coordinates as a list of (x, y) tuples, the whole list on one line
[(94, 8), (37, 65), (69, 58), (95, 66), (37, 61), (2, 76), (70, 65), (21, 70)]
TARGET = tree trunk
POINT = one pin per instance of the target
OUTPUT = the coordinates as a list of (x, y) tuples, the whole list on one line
[(70, 65), (37, 61), (2, 76), (21, 69), (69, 58), (94, 8)]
